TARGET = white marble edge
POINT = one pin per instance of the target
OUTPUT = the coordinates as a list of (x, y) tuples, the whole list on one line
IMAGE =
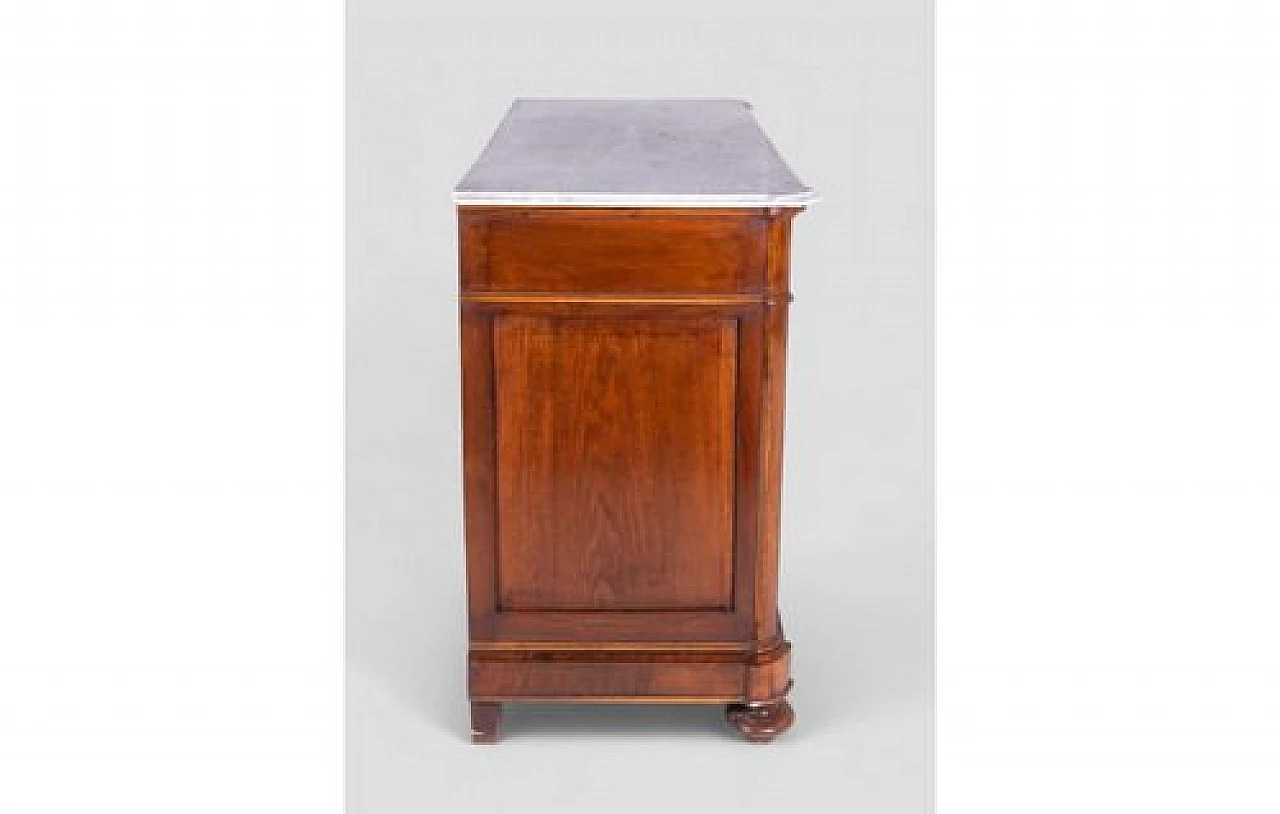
[(497, 197), (606, 199)]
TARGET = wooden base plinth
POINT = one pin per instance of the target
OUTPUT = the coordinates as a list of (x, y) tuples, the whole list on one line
[(751, 684)]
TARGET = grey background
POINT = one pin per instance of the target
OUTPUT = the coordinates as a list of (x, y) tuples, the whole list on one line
[(847, 98)]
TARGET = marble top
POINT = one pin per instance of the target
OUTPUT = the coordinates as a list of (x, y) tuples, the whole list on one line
[(630, 152)]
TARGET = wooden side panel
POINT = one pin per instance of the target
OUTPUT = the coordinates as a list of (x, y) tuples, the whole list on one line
[(615, 458)]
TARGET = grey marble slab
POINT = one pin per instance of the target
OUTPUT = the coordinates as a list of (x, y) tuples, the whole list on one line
[(630, 152)]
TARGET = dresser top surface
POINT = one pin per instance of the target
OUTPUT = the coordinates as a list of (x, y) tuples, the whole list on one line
[(630, 152)]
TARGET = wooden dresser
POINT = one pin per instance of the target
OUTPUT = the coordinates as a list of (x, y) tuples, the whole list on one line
[(624, 293)]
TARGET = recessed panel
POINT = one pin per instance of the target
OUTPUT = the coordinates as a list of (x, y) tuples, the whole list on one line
[(615, 463)]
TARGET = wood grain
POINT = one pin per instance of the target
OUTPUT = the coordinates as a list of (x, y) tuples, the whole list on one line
[(772, 406), (623, 386), (577, 251), (478, 478), (534, 680), (615, 487)]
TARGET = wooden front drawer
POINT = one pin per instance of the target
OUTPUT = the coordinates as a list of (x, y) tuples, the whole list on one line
[(613, 251)]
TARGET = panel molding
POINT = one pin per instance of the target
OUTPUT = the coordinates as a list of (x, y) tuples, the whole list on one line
[(637, 516)]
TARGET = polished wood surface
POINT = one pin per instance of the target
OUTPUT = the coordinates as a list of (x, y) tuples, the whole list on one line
[(615, 468), (599, 251), (623, 385)]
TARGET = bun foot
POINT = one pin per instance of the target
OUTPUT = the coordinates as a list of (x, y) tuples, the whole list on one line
[(760, 722), (484, 721)]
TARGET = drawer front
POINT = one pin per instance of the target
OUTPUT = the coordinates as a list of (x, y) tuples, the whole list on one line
[(613, 251)]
